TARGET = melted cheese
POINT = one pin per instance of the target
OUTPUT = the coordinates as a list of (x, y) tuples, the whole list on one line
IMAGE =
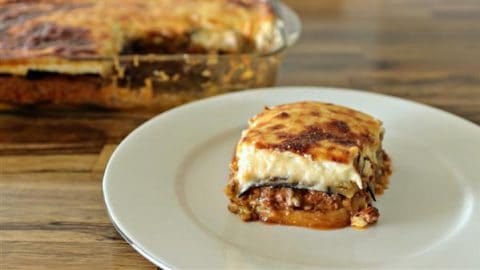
[(310, 145), (260, 167)]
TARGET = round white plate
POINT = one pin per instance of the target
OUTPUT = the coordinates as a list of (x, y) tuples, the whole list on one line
[(163, 188)]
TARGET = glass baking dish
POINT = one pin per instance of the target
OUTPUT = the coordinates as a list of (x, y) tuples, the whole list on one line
[(159, 82)]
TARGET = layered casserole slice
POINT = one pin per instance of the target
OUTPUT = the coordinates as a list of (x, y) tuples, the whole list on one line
[(309, 164), (58, 51)]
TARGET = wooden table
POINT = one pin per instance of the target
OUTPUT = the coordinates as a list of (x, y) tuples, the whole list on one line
[(51, 164)]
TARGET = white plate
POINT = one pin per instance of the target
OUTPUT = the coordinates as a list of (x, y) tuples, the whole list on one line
[(163, 188)]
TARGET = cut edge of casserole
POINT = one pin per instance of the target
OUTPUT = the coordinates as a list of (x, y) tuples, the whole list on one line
[(309, 164)]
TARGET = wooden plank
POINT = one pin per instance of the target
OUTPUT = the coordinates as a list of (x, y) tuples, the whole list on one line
[(70, 255), (58, 220), (103, 157), (46, 163)]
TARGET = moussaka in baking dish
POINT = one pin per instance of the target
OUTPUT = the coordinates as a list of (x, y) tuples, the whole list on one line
[(125, 53), (309, 164)]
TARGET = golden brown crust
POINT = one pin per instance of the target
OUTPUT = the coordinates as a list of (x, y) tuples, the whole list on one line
[(321, 130), (319, 220), (52, 28), (103, 28)]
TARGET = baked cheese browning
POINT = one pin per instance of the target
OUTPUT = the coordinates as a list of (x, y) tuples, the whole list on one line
[(56, 30), (309, 164), (322, 131), (102, 27), (311, 144)]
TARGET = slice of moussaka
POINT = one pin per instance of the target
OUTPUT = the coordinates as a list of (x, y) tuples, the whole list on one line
[(309, 164)]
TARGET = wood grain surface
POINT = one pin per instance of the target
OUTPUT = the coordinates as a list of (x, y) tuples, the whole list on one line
[(51, 163)]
